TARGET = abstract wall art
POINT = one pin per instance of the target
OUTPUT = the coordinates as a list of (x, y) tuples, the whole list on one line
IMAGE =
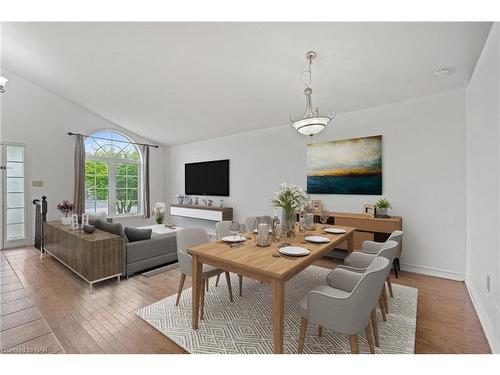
[(347, 166)]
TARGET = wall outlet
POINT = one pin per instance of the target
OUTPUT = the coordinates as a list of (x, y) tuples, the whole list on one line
[(488, 282)]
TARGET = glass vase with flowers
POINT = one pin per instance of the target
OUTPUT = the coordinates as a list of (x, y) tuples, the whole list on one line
[(289, 198)]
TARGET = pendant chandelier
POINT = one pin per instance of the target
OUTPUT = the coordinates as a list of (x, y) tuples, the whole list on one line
[(311, 123)]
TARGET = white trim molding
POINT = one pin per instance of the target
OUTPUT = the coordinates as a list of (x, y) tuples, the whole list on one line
[(429, 271), (486, 323)]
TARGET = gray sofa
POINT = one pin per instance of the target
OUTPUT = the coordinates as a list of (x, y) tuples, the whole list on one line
[(141, 255)]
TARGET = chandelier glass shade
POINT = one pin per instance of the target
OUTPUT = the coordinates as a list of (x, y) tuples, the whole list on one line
[(311, 122)]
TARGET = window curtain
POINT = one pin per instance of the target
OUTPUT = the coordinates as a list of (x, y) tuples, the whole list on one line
[(146, 203), (79, 176)]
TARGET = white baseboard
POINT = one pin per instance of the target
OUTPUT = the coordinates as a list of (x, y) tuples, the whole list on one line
[(488, 327), (433, 272)]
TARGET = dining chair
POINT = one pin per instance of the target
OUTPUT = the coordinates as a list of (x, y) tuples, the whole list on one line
[(186, 238), (362, 260), (345, 306), (222, 230), (372, 247)]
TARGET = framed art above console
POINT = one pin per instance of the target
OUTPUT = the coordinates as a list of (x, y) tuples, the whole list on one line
[(347, 166)]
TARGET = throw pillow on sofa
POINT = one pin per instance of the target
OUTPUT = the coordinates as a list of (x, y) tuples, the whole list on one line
[(115, 228), (136, 234), (96, 222)]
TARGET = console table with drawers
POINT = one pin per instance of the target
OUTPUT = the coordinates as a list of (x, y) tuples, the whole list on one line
[(368, 228)]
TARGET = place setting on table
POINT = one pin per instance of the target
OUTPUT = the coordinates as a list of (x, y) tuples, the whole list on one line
[(267, 230)]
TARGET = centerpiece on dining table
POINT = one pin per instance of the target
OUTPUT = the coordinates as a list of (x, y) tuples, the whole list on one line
[(290, 198)]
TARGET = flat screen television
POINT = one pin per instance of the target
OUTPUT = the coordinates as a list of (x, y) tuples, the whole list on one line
[(207, 178)]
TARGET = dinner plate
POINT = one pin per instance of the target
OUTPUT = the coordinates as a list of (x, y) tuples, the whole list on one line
[(317, 239), (233, 239), (294, 251), (335, 230)]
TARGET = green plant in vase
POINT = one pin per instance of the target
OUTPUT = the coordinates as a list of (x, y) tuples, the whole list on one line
[(289, 198), (382, 206), (159, 209)]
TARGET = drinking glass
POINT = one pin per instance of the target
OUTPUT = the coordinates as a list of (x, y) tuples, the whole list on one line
[(324, 218), (234, 229), (309, 224)]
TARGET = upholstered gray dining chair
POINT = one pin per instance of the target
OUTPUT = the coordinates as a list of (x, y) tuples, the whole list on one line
[(347, 304), (222, 230), (361, 260), (372, 247), (187, 238)]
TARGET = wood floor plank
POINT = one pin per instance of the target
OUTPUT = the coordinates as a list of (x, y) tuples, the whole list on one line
[(23, 333), (46, 344), (7, 272), (16, 305), (19, 318), (11, 287), (13, 295), (8, 280)]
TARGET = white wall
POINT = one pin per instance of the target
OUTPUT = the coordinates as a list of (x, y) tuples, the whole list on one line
[(423, 173), (483, 187), (31, 115)]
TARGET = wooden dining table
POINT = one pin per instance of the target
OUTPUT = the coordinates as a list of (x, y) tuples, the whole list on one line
[(265, 264)]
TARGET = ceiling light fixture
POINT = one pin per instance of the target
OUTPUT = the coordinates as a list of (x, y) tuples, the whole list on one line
[(311, 122), (3, 83)]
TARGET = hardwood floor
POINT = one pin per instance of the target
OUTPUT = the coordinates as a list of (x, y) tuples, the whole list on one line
[(105, 322), (22, 327)]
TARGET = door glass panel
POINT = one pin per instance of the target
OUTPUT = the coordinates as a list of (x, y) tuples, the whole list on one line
[(15, 231), (15, 195), (15, 185), (15, 153), (15, 200), (15, 216), (15, 169)]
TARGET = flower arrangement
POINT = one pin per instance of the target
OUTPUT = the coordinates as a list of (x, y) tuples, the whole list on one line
[(65, 207), (289, 198), (159, 209)]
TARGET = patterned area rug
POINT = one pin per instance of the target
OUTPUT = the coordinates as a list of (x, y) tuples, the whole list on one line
[(245, 326)]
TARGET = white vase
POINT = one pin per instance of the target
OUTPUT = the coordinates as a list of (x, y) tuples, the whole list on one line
[(66, 220)]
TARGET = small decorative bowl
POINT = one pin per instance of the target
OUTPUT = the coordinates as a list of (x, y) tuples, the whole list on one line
[(89, 229)]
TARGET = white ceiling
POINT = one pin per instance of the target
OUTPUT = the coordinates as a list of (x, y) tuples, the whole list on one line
[(179, 82)]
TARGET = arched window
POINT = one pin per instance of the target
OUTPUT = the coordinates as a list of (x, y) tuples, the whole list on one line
[(112, 174)]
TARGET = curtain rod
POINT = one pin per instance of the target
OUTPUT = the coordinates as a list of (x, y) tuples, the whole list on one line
[(114, 140)]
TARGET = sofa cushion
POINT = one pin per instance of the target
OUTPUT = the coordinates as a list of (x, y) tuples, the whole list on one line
[(156, 246), (96, 222), (115, 228), (136, 234)]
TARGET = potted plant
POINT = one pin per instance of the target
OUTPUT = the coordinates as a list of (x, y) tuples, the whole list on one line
[(159, 209), (289, 198), (382, 206), (66, 208)]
